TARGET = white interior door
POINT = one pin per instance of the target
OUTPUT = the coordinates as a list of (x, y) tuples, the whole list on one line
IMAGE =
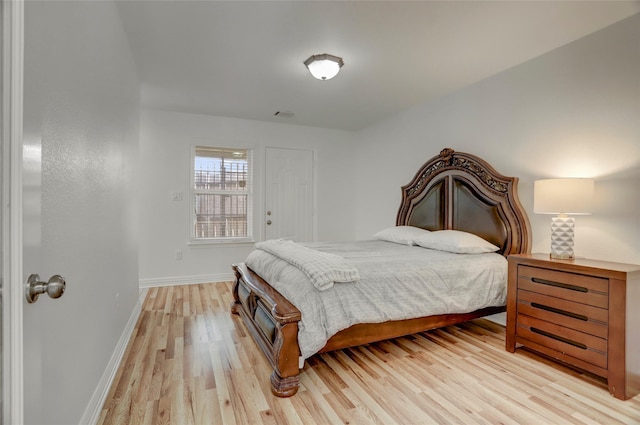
[(69, 155), (79, 215), (289, 194)]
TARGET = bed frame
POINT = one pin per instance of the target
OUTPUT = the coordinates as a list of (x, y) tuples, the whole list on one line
[(453, 190)]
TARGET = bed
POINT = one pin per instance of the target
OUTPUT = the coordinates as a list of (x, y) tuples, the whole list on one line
[(451, 191)]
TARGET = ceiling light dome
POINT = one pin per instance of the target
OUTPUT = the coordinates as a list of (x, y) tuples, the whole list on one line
[(324, 66)]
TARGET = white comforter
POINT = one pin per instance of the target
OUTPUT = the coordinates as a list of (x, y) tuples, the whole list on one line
[(396, 282)]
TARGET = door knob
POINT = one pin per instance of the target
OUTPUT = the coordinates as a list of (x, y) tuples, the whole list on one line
[(55, 287), (268, 222)]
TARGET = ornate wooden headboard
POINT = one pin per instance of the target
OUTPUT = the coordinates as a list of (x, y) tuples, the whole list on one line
[(460, 191)]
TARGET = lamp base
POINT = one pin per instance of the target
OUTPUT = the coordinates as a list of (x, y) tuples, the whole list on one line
[(561, 256), (562, 231)]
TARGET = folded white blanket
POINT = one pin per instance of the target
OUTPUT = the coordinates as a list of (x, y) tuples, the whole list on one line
[(322, 268)]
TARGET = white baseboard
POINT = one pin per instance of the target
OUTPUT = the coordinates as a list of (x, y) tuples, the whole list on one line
[(499, 318), (185, 280), (94, 408)]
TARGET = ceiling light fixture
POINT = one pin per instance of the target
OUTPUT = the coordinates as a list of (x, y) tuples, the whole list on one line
[(324, 66)]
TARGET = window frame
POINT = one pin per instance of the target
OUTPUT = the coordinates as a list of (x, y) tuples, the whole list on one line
[(193, 192)]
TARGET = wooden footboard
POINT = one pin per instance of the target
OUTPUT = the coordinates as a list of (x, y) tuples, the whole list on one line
[(273, 322)]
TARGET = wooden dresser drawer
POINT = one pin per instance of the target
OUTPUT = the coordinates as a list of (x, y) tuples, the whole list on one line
[(568, 341), (585, 318), (569, 286)]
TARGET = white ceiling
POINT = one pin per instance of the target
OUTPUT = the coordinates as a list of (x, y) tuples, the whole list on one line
[(244, 59)]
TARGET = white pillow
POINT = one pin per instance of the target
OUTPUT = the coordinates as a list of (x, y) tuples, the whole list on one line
[(405, 235), (455, 241)]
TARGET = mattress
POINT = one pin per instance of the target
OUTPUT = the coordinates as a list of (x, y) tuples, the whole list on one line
[(396, 282)]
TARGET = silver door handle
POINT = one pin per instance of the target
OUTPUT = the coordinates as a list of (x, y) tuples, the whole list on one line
[(55, 287)]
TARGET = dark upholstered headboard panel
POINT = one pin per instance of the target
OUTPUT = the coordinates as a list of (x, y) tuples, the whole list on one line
[(460, 191)]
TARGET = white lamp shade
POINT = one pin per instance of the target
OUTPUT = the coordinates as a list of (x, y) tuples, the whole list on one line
[(324, 67), (563, 196)]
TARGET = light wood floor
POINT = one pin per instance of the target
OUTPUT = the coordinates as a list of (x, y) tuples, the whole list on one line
[(191, 362)]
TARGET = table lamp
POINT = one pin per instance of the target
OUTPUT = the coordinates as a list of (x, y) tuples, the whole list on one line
[(562, 197)]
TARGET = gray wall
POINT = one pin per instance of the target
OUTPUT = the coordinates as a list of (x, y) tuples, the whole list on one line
[(165, 144), (573, 112)]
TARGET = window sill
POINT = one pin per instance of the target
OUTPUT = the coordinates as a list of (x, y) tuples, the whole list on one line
[(210, 242)]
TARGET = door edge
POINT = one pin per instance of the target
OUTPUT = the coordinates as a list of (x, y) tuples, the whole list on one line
[(12, 14)]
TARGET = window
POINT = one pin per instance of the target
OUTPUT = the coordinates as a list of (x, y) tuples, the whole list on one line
[(221, 194)]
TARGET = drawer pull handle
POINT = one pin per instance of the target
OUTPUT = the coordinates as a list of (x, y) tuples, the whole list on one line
[(560, 285), (558, 338), (559, 311)]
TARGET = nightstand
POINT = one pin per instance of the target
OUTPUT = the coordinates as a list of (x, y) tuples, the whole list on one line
[(585, 313)]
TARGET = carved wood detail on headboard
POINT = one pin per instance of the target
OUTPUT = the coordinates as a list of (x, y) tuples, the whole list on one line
[(457, 190)]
